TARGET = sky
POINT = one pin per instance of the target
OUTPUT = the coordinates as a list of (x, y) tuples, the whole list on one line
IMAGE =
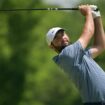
[(62, 3)]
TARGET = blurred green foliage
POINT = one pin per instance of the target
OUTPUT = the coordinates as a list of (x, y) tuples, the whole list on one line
[(27, 74)]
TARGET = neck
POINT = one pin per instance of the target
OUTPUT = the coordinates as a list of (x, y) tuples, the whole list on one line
[(58, 50)]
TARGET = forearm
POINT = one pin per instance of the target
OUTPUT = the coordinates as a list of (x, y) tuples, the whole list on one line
[(88, 27), (88, 31), (99, 36)]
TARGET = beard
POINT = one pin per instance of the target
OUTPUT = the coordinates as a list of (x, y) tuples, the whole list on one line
[(61, 48)]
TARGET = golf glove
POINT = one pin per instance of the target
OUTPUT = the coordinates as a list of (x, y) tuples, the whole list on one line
[(95, 13)]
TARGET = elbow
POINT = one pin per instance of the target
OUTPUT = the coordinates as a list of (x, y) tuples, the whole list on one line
[(102, 48)]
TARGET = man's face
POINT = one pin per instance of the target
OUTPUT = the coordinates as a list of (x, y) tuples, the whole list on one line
[(60, 41)]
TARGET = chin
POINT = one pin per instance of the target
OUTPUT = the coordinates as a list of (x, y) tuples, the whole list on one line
[(66, 44)]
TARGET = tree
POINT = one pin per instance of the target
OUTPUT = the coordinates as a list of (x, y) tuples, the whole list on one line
[(15, 44)]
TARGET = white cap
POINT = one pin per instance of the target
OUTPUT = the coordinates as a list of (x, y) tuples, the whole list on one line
[(51, 34)]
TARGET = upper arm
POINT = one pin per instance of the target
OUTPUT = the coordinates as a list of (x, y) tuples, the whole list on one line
[(85, 39), (95, 51)]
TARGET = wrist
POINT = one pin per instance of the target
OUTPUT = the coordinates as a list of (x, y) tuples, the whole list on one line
[(95, 11), (96, 14)]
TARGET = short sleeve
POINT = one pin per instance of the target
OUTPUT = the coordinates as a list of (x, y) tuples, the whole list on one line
[(88, 52)]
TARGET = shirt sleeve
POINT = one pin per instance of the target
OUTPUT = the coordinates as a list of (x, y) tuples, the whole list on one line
[(88, 52)]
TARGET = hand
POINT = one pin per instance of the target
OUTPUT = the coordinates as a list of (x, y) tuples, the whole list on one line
[(95, 13), (85, 9)]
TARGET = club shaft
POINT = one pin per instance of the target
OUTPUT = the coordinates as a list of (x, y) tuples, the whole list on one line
[(38, 9), (41, 9)]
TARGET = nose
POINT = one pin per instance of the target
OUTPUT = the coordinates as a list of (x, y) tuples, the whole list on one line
[(64, 38)]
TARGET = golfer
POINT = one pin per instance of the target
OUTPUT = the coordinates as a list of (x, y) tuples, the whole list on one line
[(78, 61)]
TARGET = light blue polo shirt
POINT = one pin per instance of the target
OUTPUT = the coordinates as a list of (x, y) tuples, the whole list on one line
[(87, 75)]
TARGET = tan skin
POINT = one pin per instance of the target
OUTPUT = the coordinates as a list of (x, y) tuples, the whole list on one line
[(91, 25), (61, 40)]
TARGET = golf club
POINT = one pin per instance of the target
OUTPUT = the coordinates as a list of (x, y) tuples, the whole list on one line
[(39, 9)]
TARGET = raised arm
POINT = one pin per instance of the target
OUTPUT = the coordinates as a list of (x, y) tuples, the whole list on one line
[(99, 38), (88, 29)]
